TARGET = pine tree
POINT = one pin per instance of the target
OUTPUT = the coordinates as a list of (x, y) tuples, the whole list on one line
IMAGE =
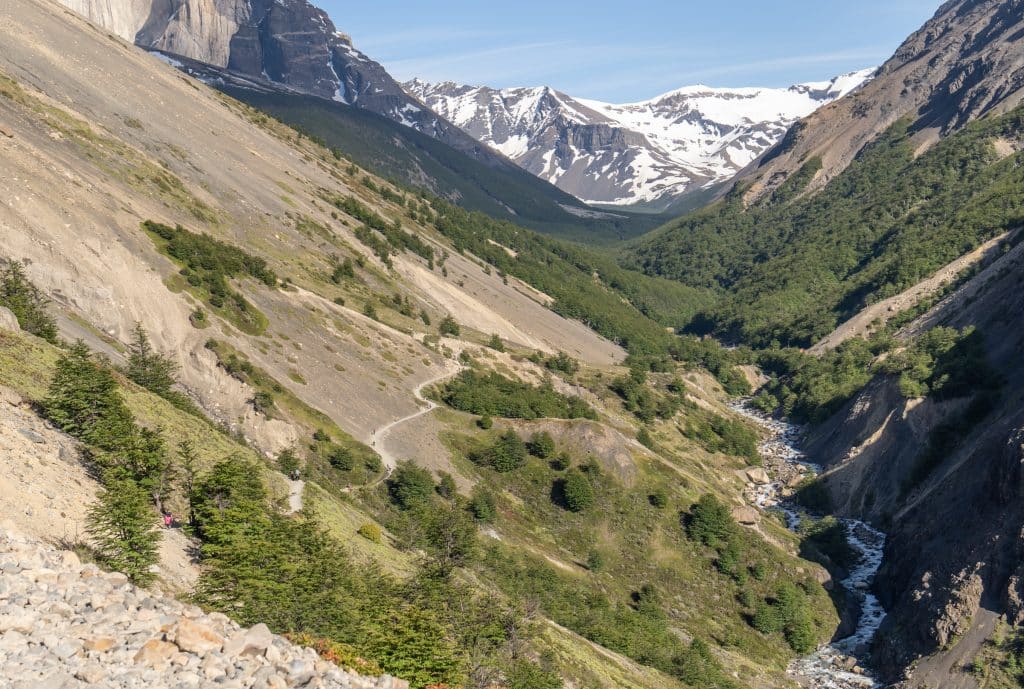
[(26, 303), (85, 402), (147, 367), (188, 458), (121, 527), (451, 539)]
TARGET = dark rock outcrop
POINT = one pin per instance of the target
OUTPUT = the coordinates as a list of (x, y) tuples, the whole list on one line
[(956, 532)]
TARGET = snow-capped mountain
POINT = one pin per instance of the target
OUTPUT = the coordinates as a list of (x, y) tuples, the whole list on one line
[(650, 152)]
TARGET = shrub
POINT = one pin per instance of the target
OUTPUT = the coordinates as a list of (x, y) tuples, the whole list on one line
[(371, 532), (448, 326), (579, 494), (496, 344), (710, 522), (485, 422), (342, 271), (341, 458), (659, 498), (263, 401), (410, 485), (287, 461), (595, 561), (564, 363), (507, 453), (561, 462), (483, 506), (492, 394), (541, 445), (446, 487)]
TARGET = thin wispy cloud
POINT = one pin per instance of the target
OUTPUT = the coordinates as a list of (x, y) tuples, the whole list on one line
[(604, 53)]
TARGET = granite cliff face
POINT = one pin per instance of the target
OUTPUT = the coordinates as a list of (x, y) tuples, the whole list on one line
[(963, 63), (289, 42)]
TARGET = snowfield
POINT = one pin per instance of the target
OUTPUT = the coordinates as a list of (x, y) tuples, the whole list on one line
[(621, 154)]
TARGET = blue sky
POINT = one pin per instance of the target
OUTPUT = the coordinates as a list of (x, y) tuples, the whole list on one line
[(628, 51)]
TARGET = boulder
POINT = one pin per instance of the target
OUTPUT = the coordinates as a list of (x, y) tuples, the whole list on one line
[(11, 397), (747, 516), (196, 637), (156, 653), (249, 642), (8, 321), (99, 644), (759, 476)]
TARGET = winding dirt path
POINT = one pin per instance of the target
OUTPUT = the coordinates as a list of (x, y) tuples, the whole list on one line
[(377, 439)]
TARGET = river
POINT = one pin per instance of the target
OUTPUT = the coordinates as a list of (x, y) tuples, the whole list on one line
[(836, 665)]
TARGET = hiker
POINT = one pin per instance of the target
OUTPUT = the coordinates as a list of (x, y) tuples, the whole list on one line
[(168, 520)]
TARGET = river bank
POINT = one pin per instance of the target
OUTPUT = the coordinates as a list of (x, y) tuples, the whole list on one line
[(838, 664)]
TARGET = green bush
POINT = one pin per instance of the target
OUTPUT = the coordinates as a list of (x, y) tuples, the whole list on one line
[(577, 491), (341, 458), (483, 506), (485, 422), (371, 532), (448, 326), (506, 454), (496, 344), (541, 445), (563, 363), (287, 461), (710, 522), (410, 485), (492, 394)]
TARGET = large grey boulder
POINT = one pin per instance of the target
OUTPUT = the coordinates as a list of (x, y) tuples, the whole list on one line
[(8, 321)]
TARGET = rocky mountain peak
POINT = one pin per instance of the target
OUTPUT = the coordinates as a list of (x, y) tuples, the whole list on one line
[(963, 63), (648, 152)]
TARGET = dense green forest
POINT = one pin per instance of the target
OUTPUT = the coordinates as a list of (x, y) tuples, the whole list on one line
[(791, 267)]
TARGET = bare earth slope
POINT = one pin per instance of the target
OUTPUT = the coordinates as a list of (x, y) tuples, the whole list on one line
[(90, 160)]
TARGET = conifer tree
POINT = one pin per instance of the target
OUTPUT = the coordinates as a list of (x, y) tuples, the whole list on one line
[(84, 401), (147, 367), (121, 527), (26, 303)]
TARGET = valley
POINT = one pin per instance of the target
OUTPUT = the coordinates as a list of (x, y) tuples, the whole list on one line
[(310, 378)]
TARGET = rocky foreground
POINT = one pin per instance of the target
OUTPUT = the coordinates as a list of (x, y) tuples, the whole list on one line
[(65, 625)]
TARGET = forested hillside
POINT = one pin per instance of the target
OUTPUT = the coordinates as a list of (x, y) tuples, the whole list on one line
[(790, 268)]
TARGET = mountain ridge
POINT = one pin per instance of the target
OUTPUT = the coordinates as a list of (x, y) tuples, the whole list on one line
[(647, 152)]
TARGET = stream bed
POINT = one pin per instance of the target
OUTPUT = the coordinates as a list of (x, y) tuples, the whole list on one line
[(839, 664)]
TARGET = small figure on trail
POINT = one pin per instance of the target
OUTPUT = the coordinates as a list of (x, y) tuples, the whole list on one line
[(168, 520)]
